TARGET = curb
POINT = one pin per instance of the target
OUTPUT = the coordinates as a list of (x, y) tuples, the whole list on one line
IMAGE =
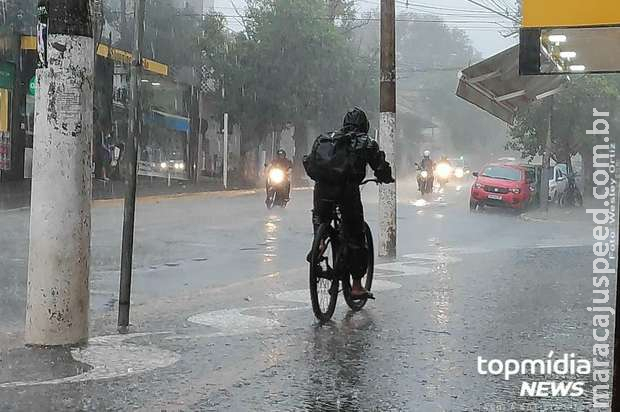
[(153, 199), (159, 198), (551, 219)]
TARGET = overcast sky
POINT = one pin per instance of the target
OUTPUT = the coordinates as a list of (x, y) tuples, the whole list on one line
[(480, 25)]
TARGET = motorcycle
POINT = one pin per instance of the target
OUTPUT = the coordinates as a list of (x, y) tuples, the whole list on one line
[(443, 171), (277, 187), (425, 180)]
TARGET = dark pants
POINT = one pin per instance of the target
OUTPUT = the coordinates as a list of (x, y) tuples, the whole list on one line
[(352, 212)]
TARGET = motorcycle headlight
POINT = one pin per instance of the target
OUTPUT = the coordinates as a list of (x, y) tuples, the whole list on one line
[(163, 165), (443, 170), (424, 174), (276, 176), (459, 172)]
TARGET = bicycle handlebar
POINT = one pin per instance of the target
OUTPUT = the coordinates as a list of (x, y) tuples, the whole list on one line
[(377, 181)]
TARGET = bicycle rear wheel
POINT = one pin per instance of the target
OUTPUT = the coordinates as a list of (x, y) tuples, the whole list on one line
[(323, 277), (358, 304)]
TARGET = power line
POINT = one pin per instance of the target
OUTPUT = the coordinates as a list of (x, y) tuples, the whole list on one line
[(413, 20), (506, 16)]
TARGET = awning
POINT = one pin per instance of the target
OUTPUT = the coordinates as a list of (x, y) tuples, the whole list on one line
[(167, 120), (495, 86)]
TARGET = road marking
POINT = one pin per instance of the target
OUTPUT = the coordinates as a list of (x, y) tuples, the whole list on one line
[(303, 295), (236, 321), (232, 322), (111, 357)]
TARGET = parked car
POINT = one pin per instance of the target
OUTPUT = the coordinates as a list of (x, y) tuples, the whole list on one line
[(558, 183), (502, 185)]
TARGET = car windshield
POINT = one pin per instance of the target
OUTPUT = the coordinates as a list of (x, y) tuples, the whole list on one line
[(501, 172)]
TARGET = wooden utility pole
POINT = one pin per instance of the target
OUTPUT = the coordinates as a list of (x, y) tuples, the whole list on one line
[(387, 127), (59, 254), (133, 138), (123, 28)]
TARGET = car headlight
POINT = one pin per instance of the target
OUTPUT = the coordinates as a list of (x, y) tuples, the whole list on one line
[(515, 190), (163, 165), (459, 172), (276, 176), (424, 174), (477, 185), (179, 166), (443, 170)]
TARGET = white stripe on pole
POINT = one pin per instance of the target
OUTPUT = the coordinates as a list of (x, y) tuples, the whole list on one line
[(387, 193), (225, 166)]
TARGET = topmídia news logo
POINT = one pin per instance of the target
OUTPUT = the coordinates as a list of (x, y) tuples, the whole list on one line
[(546, 377)]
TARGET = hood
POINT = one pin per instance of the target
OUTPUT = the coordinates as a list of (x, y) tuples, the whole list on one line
[(356, 121), (504, 184)]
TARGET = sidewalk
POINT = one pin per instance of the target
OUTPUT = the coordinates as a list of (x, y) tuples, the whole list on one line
[(16, 195), (560, 215)]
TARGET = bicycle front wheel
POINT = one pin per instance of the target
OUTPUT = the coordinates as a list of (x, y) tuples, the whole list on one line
[(358, 304), (323, 277)]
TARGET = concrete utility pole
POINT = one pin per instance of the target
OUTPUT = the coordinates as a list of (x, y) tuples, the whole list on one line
[(133, 138), (387, 126), (59, 258), (546, 176)]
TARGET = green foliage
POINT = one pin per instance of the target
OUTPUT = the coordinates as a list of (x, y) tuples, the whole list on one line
[(571, 117), (18, 15)]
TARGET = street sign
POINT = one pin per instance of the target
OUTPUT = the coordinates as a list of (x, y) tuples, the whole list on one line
[(32, 86), (570, 13), (571, 36)]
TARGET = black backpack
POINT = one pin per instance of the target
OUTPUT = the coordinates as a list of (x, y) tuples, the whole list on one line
[(331, 159)]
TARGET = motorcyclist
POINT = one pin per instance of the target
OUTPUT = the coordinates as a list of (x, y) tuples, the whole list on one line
[(283, 163), (427, 163), (362, 151)]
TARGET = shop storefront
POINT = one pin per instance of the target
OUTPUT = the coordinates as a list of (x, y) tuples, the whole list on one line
[(7, 80)]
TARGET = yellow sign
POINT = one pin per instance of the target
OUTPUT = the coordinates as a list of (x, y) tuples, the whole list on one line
[(4, 110), (570, 13), (125, 57), (29, 43), (103, 50)]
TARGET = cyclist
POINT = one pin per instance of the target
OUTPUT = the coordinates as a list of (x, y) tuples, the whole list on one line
[(359, 150)]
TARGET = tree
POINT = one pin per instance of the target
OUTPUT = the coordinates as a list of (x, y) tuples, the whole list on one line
[(571, 117), (430, 54), (18, 15)]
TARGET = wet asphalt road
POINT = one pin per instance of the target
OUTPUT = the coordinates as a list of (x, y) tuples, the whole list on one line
[(221, 318)]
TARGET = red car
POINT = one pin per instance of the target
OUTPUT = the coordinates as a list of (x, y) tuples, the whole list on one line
[(504, 185)]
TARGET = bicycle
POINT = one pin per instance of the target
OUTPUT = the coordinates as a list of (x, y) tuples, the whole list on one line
[(571, 197), (328, 268)]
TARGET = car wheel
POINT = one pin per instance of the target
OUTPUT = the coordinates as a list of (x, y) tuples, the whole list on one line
[(474, 206)]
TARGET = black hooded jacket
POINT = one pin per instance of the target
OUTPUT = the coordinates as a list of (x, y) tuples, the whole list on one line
[(365, 151)]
